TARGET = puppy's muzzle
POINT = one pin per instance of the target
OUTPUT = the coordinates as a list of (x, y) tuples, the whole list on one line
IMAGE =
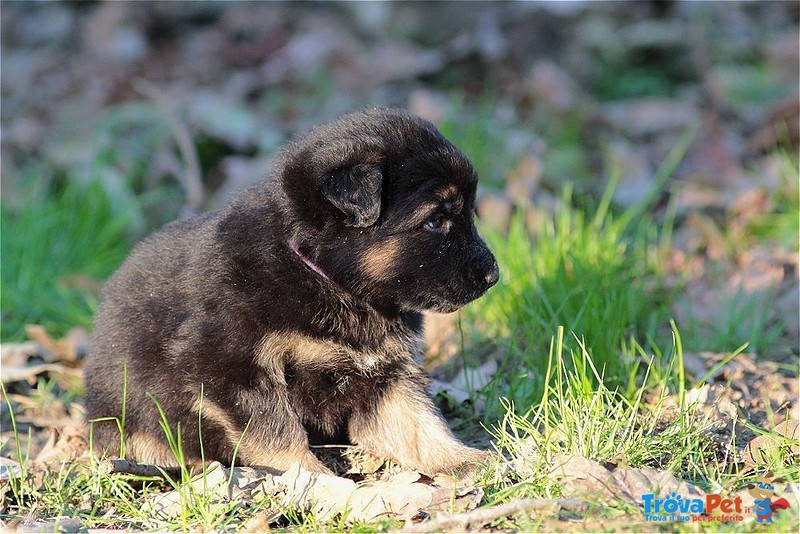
[(492, 275), (484, 272)]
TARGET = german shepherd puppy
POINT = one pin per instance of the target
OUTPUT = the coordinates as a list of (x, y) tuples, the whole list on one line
[(294, 315)]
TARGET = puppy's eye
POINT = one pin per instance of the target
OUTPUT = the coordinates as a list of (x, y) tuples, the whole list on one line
[(436, 222)]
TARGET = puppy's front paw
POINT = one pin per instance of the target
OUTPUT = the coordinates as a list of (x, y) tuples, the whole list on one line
[(463, 468)]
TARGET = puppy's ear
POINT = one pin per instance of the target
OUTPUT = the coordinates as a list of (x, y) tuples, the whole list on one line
[(356, 191)]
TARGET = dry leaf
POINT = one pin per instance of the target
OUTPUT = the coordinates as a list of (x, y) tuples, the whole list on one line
[(761, 448), (67, 349), (630, 484), (16, 364), (551, 85), (649, 116), (212, 483), (11, 374), (586, 478), (400, 495), (581, 477), (522, 180), (466, 382), (67, 443), (17, 354)]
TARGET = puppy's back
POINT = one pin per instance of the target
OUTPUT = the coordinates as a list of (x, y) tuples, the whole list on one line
[(143, 304)]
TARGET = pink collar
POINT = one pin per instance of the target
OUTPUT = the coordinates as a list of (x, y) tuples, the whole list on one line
[(310, 264)]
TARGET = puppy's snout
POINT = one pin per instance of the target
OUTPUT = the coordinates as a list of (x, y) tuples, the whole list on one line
[(485, 272), (493, 275)]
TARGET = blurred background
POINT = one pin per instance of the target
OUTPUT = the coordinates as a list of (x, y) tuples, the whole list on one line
[(639, 187), (118, 117)]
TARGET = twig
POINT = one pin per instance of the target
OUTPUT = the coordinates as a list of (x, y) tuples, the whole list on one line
[(191, 180), (109, 466), (482, 516)]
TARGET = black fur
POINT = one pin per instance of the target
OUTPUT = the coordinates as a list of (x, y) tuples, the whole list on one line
[(296, 310)]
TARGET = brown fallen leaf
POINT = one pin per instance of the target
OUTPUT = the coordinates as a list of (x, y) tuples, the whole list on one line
[(463, 386), (779, 126), (11, 374), (67, 443), (551, 85), (213, 484), (714, 159), (67, 349), (692, 197), (588, 479), (581, 476), (16, 357), (522, 180), (762, 448), (429, 105), (650, 116), (629, 484), (362, 462), (17, 354), (750, 203), (401, 495)]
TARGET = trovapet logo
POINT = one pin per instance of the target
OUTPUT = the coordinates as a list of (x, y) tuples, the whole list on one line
[(715, 508), (675, 507), (762, 492)]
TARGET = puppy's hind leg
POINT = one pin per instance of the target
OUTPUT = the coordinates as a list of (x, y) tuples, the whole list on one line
[(406, 426), (271, 439)]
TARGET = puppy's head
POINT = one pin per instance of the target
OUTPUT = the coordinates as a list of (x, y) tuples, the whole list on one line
[(382, 204)]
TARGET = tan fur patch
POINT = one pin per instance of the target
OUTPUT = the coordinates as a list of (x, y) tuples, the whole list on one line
[(275, 349), (452, 194), (448, 192), (254, 448), (378, 261), (211, 412), (147, 449), (249, 450), (406, 427)]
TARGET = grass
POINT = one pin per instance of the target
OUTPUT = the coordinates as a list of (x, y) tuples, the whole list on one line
[(64, 231), (591, 364), (575, 273), (781, 222), (594, 274), (577, 414), (595, 422), (55, 252)]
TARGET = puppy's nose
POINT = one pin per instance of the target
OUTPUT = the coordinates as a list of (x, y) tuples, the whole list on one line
[(493, 275)]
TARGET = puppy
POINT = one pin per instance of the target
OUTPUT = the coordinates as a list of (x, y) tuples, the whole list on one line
[(294, 315)]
